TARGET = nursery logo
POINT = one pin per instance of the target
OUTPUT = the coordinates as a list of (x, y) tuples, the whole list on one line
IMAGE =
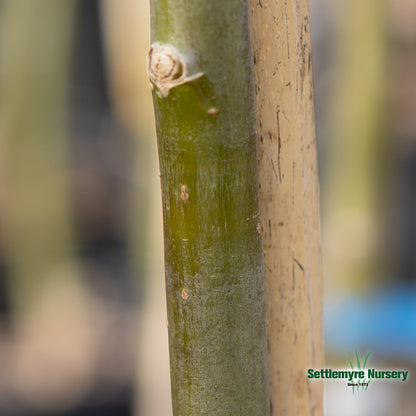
[(358, 377), (361, 380)]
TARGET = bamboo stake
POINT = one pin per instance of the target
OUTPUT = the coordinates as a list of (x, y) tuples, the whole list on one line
[(289, 203)]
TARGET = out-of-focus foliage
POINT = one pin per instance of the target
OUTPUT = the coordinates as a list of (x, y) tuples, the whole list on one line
[(68, 342), (365, 86)]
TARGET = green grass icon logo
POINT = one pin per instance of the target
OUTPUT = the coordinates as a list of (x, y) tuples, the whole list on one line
[(363, 383)]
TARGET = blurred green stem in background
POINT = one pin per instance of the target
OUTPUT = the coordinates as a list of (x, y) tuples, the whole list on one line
[(353, 180), (35, 64), (126, 43)]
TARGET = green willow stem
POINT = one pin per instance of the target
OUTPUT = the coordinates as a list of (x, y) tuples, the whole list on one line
[(213, 255)]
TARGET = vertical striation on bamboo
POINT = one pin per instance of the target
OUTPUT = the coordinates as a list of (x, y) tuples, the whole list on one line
[(289, 203)]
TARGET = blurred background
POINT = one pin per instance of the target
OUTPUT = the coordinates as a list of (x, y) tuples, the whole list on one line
[(82, 302)]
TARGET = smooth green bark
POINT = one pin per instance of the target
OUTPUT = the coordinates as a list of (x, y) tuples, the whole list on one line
[(213, 254)]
